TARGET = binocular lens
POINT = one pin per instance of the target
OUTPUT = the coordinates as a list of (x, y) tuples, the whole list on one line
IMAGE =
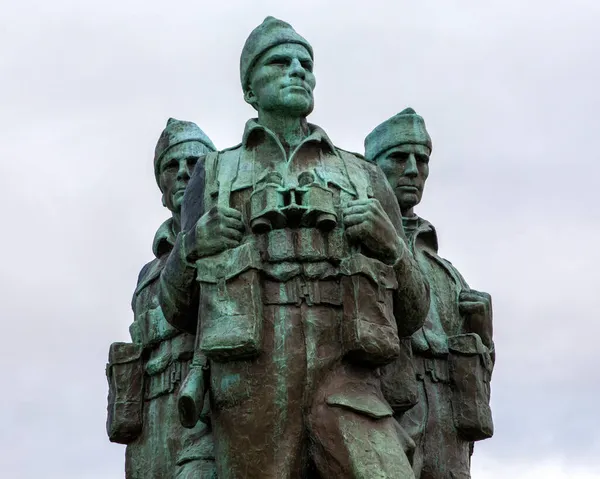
[(326, 222), (261, 225)]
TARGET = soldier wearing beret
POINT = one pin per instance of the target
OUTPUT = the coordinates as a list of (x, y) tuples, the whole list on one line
[(453, 351), (160, 446), (293, 271)]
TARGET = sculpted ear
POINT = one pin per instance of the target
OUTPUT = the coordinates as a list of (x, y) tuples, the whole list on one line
[(250, 98), (164, 203)]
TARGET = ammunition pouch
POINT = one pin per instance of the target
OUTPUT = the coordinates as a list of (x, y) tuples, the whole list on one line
[(230, 322), (470, 368), (369, 329), (304, 245), (125, 375)]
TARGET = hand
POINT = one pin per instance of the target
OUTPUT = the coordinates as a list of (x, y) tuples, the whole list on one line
[(476, 309), (367, 223), (218, 229)]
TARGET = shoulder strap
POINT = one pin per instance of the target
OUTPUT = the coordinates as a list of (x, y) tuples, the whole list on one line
[(210, 175), (225, 176)]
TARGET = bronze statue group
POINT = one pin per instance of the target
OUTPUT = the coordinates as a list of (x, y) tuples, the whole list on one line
[(297, 320)]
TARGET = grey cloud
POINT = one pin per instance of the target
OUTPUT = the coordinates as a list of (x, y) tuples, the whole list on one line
[(508, 90)]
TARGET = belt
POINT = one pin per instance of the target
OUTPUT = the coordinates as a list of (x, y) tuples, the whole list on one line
[(166, 381), (434, 368), (299, 289)]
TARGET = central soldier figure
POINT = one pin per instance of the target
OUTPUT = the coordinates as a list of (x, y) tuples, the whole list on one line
[(292, 270)]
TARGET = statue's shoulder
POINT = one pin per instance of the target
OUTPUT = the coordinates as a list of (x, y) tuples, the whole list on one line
[(148, 274), (225, 156), (350, 155), (358, 163), (210, 160), (230, 151)]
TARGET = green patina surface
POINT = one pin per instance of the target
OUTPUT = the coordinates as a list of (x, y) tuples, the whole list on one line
[(283, 284)]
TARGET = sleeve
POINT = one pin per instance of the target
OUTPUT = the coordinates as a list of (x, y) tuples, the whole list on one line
[(135, 328), (411, 299), (178, 290)]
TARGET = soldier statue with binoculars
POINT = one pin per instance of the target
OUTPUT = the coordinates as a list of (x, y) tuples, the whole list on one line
[(293, 272)]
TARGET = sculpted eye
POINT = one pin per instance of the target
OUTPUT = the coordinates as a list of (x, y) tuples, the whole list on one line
[(423, 159), (172, 164), (399, 156), (308, 66), (278, 61)]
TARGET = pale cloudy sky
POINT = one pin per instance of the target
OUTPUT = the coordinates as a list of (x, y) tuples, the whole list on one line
[(509, 91)]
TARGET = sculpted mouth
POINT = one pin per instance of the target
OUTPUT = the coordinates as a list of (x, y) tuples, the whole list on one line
[(297, 86)]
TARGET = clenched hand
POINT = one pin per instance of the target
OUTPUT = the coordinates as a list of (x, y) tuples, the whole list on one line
[(218, 229), (366, 222)]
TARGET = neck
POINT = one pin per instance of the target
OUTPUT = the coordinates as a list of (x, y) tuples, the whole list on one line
[(408, 213), (290, 130)]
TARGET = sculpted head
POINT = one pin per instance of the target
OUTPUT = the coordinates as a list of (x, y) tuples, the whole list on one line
[(276, 70), (177, 151), (401, 146)]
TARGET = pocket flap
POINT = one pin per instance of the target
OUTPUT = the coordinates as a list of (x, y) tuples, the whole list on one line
[(228, 264), (122, 353), (468, 344), (158, 364), (378, 272), (364, 403)]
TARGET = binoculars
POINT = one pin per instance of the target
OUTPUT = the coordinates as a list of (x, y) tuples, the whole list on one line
[(272, 206)]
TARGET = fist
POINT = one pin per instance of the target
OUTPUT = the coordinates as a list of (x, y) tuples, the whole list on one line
[(218, 229), (368, 224), (476, 309)]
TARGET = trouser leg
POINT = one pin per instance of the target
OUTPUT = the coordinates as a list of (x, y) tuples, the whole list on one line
[(256, 405), (349, 445)]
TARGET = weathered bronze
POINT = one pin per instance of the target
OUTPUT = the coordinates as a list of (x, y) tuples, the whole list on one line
[(145, 375), (293, 271), (453, 351), (297, 321)]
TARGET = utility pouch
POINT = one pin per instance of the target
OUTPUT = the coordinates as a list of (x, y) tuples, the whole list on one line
[(369, 329), (470, 368), (231, 306), (125, 375)]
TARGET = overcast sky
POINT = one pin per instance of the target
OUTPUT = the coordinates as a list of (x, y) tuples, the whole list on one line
[(509, 92)]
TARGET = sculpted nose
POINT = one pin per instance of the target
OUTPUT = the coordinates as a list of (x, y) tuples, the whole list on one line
[(411, 166), (184, 171), (296, 69)]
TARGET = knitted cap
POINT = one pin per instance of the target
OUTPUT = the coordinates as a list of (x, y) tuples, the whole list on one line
[(270, 33), (405, 127), (175, 133)]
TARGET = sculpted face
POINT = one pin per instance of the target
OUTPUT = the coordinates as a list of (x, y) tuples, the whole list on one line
[(282, 81), (406, 168), (175, 170)]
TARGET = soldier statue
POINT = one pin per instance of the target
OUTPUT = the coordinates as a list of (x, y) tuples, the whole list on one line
[(293, 271), (453, 351), (145, 376)]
